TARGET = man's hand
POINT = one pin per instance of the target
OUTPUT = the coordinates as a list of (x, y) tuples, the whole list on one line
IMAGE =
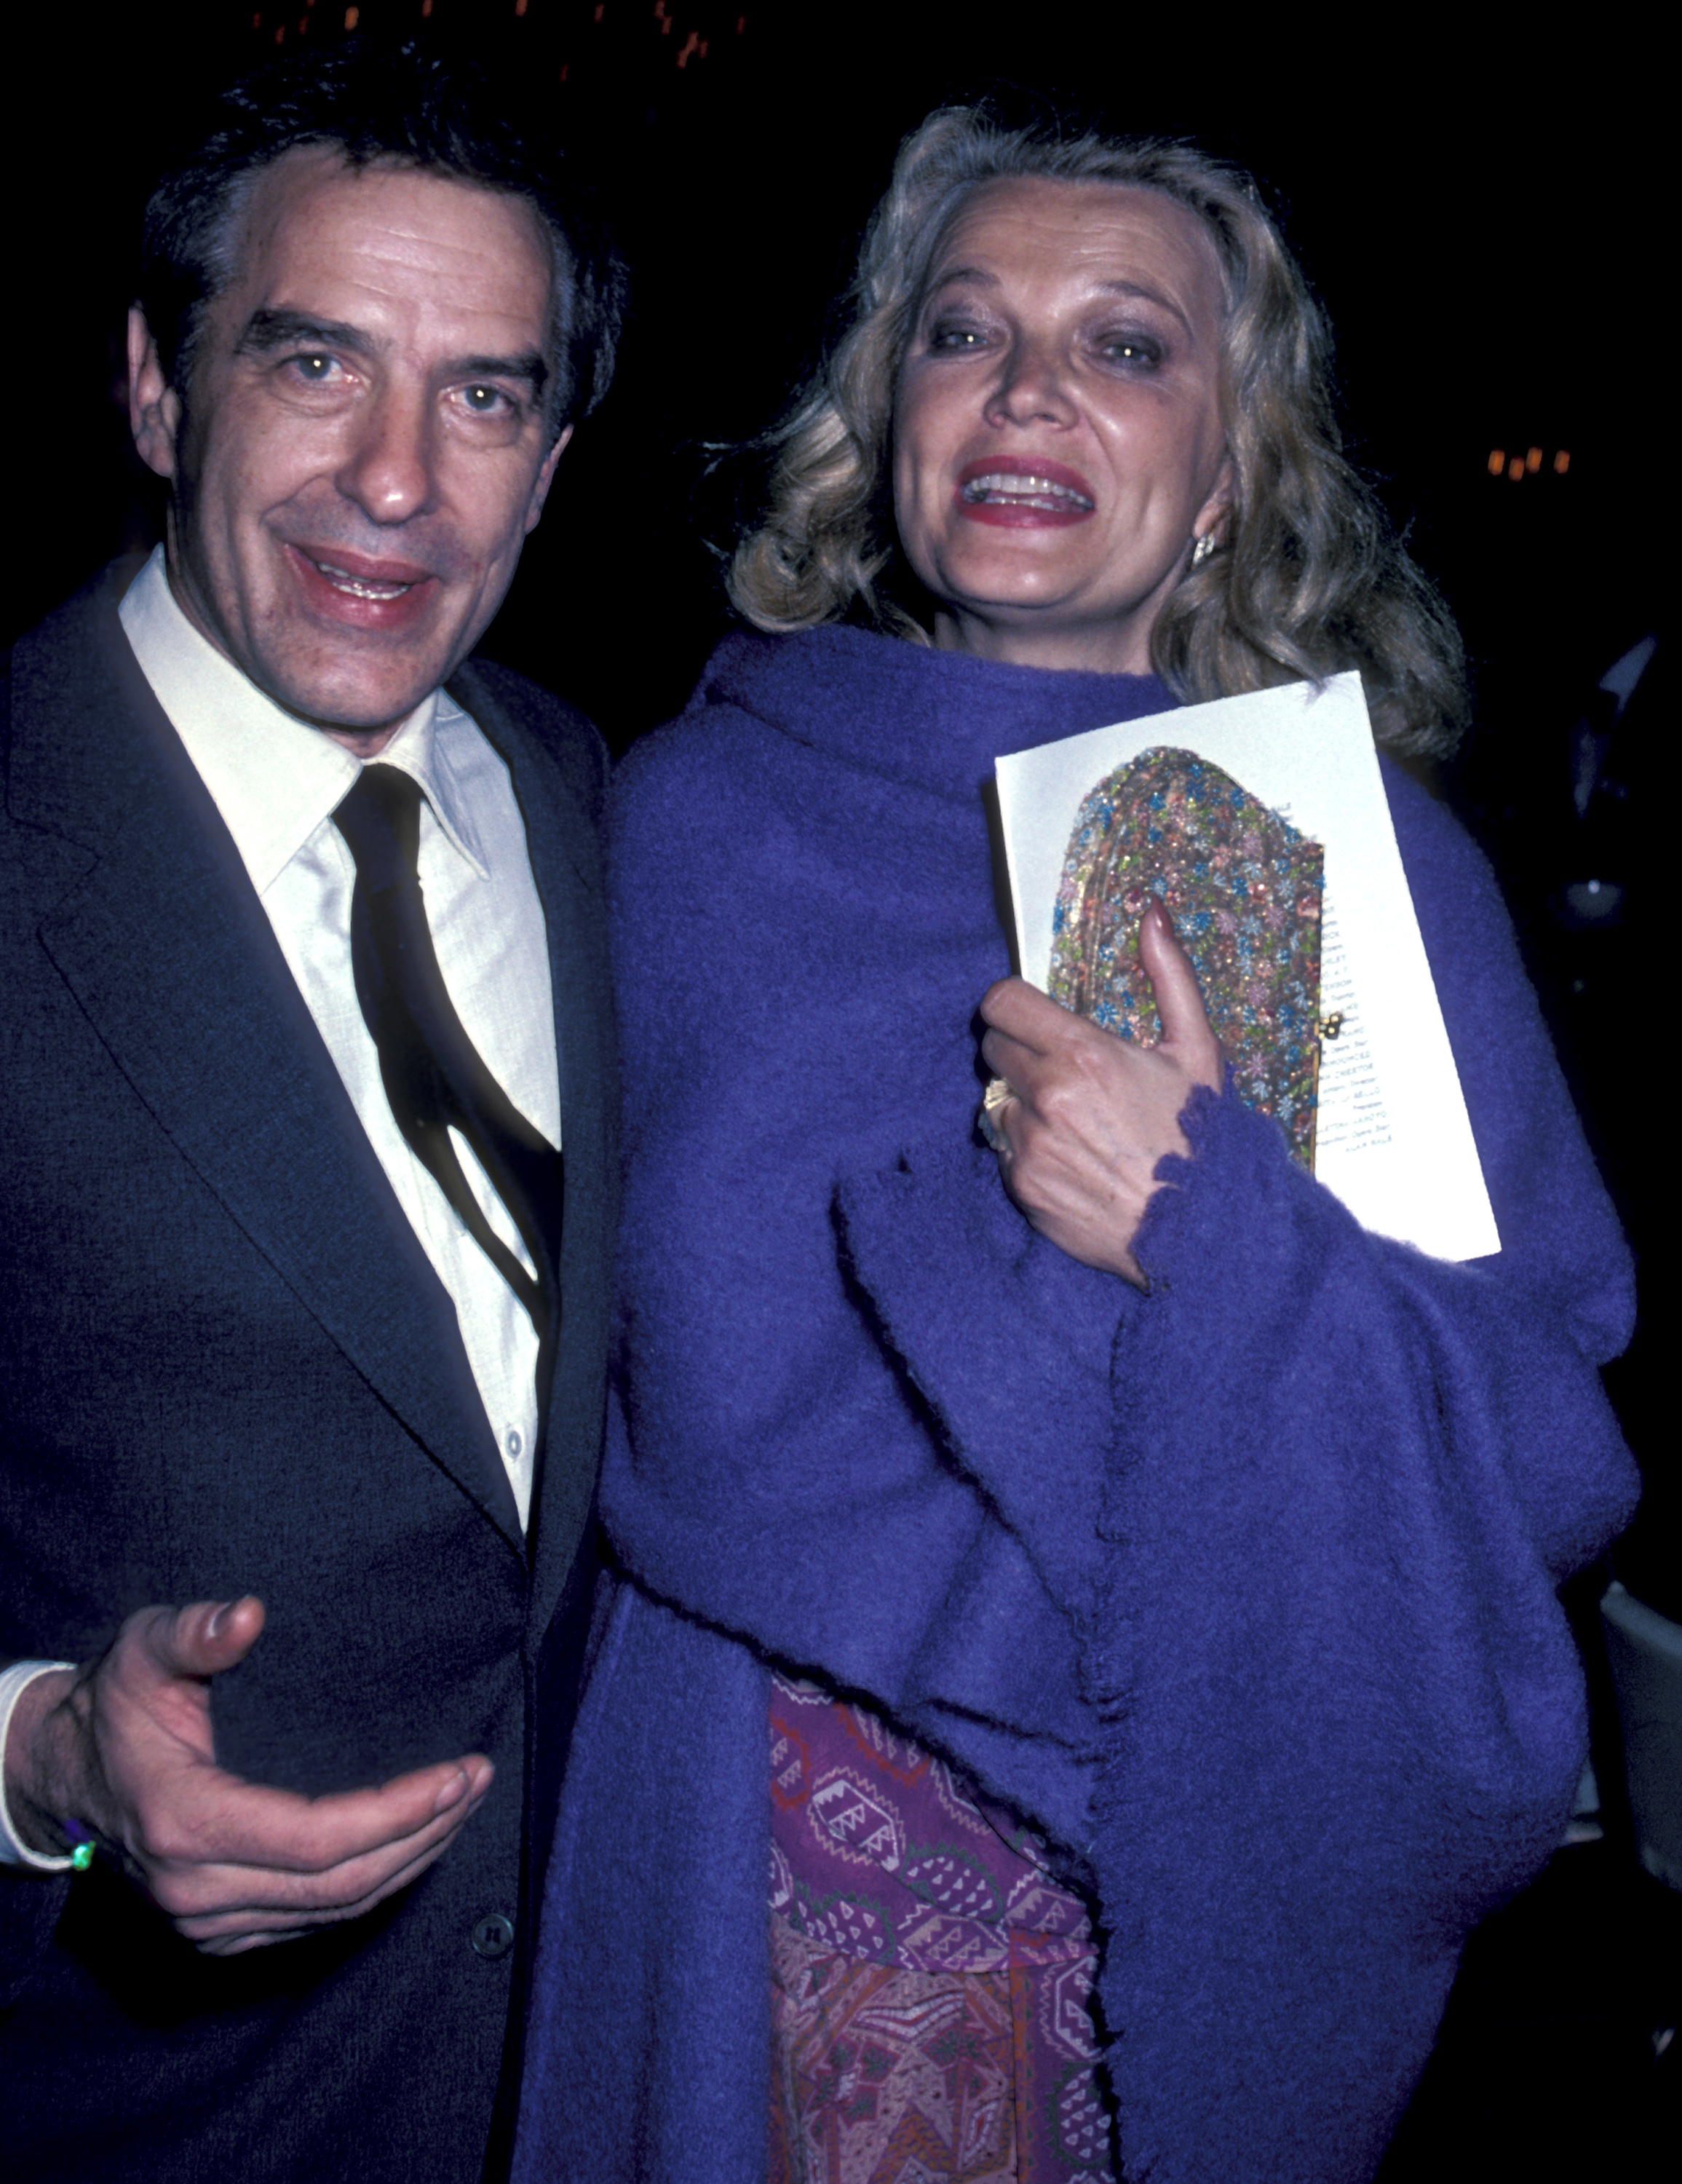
[(123, 1744), (1089, 1115)]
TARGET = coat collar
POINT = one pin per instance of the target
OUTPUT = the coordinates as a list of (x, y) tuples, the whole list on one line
[(919, 717), (276, 780)]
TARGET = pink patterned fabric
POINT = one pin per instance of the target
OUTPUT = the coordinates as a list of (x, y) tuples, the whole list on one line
[(931, 1982)]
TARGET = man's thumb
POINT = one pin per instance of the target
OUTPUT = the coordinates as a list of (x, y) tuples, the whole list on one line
[(209, 1637)]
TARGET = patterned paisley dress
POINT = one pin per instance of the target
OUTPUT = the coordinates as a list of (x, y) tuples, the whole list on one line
[(930, 1981)]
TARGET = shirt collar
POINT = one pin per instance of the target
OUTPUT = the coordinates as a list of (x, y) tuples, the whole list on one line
[(275, 779)]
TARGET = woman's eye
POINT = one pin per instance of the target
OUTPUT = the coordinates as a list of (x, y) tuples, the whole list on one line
[(1131, 349), (956, 339)]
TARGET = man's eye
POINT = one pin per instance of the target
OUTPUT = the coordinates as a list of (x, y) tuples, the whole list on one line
[(484, 401), (314, 371)]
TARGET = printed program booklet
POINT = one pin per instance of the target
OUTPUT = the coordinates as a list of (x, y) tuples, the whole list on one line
[(1391, 1138)]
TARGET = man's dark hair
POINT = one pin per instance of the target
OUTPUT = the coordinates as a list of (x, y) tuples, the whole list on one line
[(385, 105)]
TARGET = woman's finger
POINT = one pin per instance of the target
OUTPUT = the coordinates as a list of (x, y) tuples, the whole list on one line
[(1187, 1032), (1008, 1061), (1016, 1012)]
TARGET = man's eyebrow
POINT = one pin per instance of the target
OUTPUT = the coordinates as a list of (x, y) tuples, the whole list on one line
[(270, 330), (529, 367)]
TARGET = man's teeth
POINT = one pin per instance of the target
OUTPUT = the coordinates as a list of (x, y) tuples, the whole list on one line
[(1014, 489), (360, 588)]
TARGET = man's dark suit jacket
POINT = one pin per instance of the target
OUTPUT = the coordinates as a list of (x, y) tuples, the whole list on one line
[(228, 1367)]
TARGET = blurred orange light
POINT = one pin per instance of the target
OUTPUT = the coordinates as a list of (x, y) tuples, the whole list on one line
[(1497, 461), (1515, 468), (519, 7), (353, 16), (1533, 461), (1562, 462)]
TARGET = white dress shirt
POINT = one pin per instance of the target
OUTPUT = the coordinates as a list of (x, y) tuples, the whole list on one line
[(276, 783)]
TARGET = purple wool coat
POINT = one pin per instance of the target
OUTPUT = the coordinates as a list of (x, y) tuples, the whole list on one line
[(1242, 1590)]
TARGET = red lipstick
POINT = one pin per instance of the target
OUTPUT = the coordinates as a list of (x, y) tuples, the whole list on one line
[(1024, 492)]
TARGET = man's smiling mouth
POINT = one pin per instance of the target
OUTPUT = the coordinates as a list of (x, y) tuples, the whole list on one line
[(359, 587)]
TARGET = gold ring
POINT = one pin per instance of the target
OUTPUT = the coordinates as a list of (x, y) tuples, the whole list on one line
[(992, 1100)]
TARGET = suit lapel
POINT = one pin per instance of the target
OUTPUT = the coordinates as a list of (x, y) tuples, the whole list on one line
[(169, 953)]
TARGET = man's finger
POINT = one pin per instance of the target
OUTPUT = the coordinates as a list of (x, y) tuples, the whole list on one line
[(202, 1639), (240, 1945), (1186, 1029), (230, 1822), (212, 1902)]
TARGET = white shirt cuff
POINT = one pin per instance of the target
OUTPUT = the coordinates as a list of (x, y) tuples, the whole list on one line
[(12, 1683)]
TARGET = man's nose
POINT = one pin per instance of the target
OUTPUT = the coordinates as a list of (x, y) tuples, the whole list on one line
[(1031, 386), (389, 469)]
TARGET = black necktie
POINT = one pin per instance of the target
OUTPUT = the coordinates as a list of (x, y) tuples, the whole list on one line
[(433, 1076)]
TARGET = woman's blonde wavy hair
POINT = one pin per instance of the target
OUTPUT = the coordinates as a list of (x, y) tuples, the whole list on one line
[(1313, 578)]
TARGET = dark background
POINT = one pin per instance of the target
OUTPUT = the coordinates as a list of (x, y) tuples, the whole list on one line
[(1478, 211), (1479, 215)]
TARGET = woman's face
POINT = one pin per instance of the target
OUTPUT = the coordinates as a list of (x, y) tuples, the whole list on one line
[(1057, 437)]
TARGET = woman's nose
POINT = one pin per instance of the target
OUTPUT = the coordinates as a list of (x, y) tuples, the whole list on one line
[(1031, 386), (388, 469)]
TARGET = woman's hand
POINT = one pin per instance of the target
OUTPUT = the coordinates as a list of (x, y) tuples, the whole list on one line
[(1088, 1115)]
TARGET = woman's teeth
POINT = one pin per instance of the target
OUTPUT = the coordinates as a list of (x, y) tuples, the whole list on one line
[(1011, 489)]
